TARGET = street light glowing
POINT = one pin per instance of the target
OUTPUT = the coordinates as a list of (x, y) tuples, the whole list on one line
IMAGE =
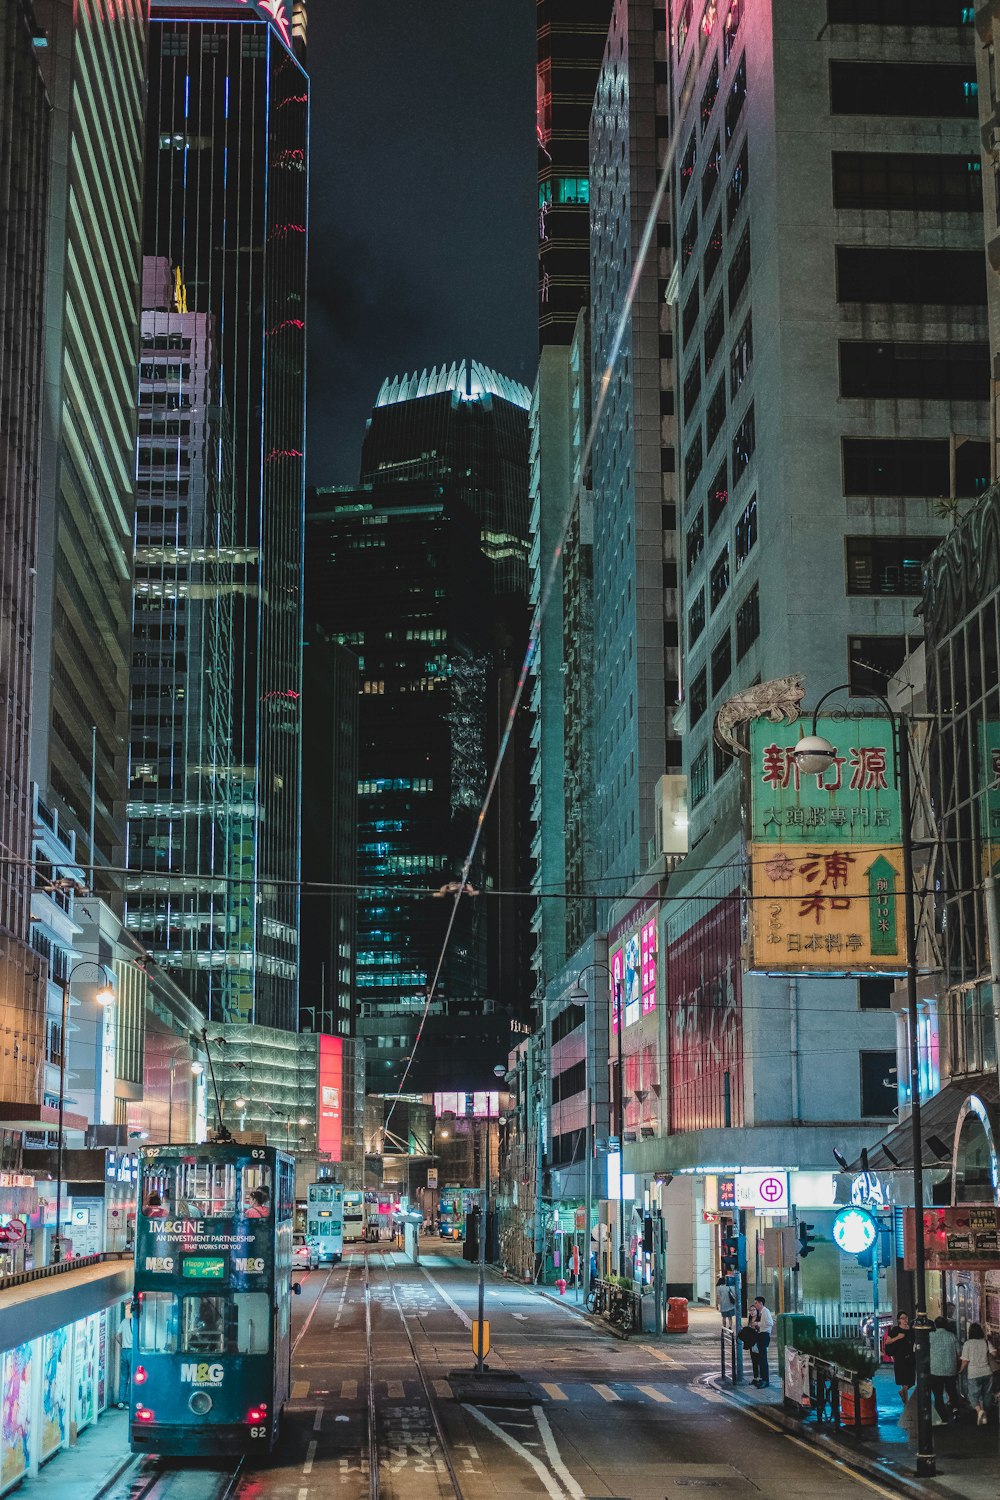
[(240, 1103), (197, 1069), (105, 995)]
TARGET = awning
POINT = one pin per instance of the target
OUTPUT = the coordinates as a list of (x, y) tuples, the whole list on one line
[(938, 1118), (35, 1117)]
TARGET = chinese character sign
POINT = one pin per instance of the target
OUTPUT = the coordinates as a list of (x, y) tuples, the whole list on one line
[(825, 858), (648, 965), (857, 798), (617, 985)]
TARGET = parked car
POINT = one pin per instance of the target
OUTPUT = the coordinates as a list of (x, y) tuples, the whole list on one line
[(304, 1255)]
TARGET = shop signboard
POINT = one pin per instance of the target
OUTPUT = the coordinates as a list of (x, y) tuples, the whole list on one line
[(727, 1194), (762, 1192), (825, 851), (963, 1237)]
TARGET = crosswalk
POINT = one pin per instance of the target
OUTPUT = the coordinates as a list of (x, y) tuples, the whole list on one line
[(609, 1392)]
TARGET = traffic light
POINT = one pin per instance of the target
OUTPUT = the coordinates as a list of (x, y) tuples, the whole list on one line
[(733, 1247), (806, 1240)]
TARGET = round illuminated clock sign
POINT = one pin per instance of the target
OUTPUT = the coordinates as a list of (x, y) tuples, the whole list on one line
[(854, 1231)]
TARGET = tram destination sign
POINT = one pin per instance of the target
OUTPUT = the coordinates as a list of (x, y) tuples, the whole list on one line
[(204, 1267)]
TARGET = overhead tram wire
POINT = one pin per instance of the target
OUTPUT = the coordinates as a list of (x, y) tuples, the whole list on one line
[(534, 633)]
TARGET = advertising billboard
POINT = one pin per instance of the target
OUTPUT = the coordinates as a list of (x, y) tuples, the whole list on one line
[(633, 962), (705, 1022), (825, 855), (965, 1236), (331, 1084)]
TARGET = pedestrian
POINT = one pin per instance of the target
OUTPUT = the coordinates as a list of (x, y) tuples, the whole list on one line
[(725, 1300), (763, 1323), (899, 1347), (124, 1341), (747, 1336), (944, 1371), (975, 1362)]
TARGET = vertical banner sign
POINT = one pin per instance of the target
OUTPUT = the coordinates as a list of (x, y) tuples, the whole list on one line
[(826, 851), (331, 1083)]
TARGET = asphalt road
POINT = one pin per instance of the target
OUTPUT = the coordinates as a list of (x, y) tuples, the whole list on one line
[(605, 1417)]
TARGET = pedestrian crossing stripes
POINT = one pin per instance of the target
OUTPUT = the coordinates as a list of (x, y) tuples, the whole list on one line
[(348, 1390), (625, 1392), (555, 1392), (653, 1393), (395, 1390), (620, 1391), (300, 1389), (606, 1393)]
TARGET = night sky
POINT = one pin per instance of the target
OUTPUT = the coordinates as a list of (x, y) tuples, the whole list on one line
[(423, 219)]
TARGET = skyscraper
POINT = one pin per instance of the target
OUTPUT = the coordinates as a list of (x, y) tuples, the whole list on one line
[(24, 171), (95, 65), (225, 206)]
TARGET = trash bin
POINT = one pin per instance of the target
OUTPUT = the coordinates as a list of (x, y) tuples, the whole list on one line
[(677, 1315)]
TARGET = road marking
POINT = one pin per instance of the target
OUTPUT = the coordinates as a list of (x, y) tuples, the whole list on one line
[(554, 1456), (552, 1489), (462, 1317), (709, 1395), (343, 1294), (521, 1317), (556, 1392), (395, 1390), (348, 1390), (312, 1313), (303, 1492), (441, 1388), (606, 1393), (307, 1467), (836, 1463), (653, 1393), (300, 1388), (318, 1419), (661, 1355)]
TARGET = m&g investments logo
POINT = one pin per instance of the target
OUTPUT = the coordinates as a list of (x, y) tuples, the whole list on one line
[(201, 1374)]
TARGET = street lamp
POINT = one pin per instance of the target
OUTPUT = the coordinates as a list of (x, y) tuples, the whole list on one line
[(104, 996), (498, 1072), (814, 755), (579, 996)]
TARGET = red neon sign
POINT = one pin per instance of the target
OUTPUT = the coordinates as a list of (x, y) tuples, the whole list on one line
[(331, 1083)]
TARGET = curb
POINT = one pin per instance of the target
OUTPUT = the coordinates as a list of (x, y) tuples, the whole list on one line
[(875, 1468), (116, 1473)]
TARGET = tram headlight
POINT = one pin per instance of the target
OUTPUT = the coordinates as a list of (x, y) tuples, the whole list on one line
[(141, 1375)]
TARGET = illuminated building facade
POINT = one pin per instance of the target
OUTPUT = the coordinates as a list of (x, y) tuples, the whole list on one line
[(24, 144), (95, 67), (225, 206)]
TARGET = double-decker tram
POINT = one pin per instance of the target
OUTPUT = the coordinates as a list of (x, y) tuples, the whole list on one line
[(212, 1309), (325, 1222), (354, 1216)]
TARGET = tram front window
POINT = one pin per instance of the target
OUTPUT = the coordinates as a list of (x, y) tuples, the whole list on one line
[(238, 1323), (158, 1322)]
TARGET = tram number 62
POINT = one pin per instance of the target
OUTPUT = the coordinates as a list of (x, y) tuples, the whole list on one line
[(258, 1432)]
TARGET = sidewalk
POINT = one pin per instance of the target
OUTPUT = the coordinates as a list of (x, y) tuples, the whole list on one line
[(88, 1468), (967, 1456)]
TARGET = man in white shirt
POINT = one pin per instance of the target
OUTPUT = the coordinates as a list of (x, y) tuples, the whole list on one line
[(763, 1322)]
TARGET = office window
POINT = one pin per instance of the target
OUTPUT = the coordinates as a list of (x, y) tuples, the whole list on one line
[(688, 163), (739, 270), (746, 532), (887, 565), (692, 385), (744, 444), (709, 95), (699, 697), (948, 278), (696, 617), (731, 30), (699, 777), (715, 327), (737, 97), (689, 237), (901, 12), (875, 993), (711, 172), (911, 182), (873, 659), (878, 1084), (693, 461), (722, 662), (721, 760), (741, 357), (747, 623), (690, 317), (738, 183), (897, 466), (695, 540), (718, 497), (713, 253), (925, 90), (923, 372), (972, 468), (718, 583), (715, 414)]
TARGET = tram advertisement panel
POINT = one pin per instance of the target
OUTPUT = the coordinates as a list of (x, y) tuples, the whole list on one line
[(15, 1430), (55, 1393)]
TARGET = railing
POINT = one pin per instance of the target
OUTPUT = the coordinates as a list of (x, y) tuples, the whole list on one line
[(729, 1345), (21, 1278), (825, 1388)]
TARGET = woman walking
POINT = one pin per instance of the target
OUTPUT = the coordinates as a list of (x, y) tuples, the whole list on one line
[(975, 1361), (899, 1347)]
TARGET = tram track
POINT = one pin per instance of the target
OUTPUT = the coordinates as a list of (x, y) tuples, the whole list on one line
[(381, 1442), (152, 1478)]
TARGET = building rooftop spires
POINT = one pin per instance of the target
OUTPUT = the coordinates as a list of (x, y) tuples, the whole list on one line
[(470, 380)]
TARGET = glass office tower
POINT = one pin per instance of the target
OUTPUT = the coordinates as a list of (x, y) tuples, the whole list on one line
[(226, 196)]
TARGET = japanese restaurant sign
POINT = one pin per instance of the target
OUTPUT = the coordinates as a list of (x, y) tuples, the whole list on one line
[(967, 1235), (825, 851)]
